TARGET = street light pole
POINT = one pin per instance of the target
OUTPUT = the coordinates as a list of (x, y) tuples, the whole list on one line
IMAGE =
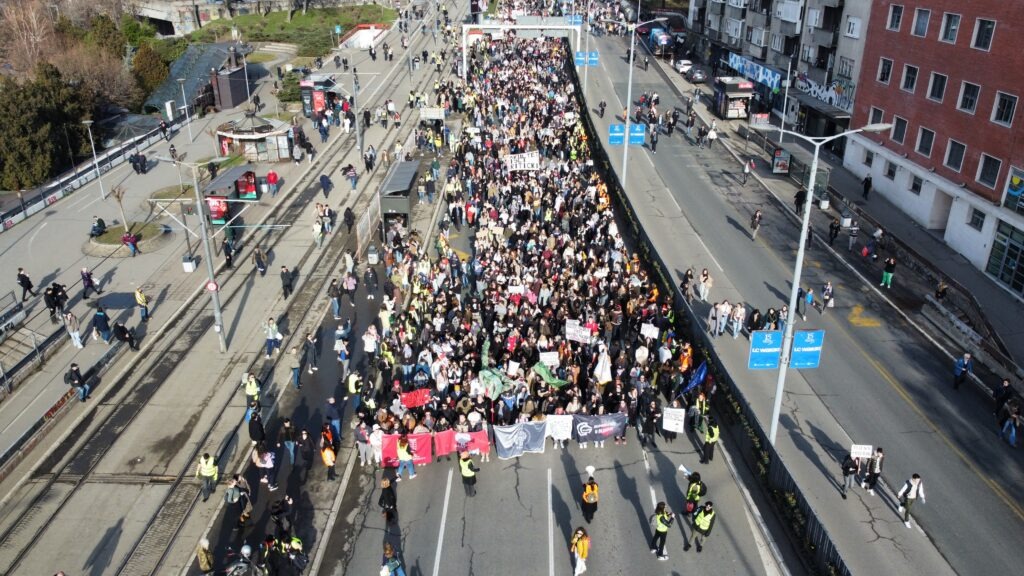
[(245, 69), (95, 161), (218, 320), (794, 293), (586, 51), (629, 91), (785, 99), (355, 111), (184, 102)]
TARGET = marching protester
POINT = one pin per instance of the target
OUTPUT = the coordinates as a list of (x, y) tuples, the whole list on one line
[(912, 490), (580, 548)]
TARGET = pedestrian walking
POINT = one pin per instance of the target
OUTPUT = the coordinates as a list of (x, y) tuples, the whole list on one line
[(325, 184), (833, 230), (286, 437), (206, 471), (865, 187), (874, 471), (580, 548), (912, 490), (711, 137), (654, 141), (647, 62), (468, 470), (287, 281), (88, 283), (590, 498), (239, 492), (747, 168), (273, 337), (391, 562), (362, 435), (204, 557), (961, 368), (388, 501), (142, 301), (350, 218), (311, 351), (257, 432), (73, 327), (305, 449), (259, 260), (263, 458), (123, 334), (333, 413), (851, 470), (694, 491), (272, 181), (228, 251), (755, 224), (853, 233), (405, 460), (73, 377), (827, 297), (799, 201), (705, 284), (888, 270), (101, 325), (711, 436), (703, 523), (663, 520)]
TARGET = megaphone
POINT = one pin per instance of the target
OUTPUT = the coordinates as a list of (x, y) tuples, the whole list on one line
[(590, 471)]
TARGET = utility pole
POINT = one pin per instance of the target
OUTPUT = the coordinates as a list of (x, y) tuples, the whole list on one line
[(218, 319)]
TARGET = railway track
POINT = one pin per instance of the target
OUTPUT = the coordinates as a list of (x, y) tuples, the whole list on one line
[(73, 462)]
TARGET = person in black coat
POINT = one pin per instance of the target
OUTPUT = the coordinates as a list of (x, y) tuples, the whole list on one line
[(388, 501), (256, 431), (306, 451), (123, 334)]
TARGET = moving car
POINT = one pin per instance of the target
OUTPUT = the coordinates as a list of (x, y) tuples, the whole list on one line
[(683, 66), (696, 76)]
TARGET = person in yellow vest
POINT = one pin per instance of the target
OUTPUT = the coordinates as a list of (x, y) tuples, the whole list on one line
[(694, 491), (469, 470), (703, 522), (590, 498), (580, 548), (405, 460), (663, 519), (207, 472), (143, 302), (698, 412), (252, 388), (710, 439)]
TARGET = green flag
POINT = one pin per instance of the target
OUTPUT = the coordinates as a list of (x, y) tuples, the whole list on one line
[(544, 372)]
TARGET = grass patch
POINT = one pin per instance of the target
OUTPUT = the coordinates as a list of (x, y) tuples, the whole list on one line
[(260, 57), (311, 32), (144, 231), (173, 193), (286, 116), (301, 61)]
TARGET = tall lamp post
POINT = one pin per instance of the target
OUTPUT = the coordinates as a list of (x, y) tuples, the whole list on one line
[(629, 88), (787, 337), (218, 317), (95, 162), (184, 103)]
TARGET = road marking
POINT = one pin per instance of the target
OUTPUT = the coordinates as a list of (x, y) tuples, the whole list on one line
[(712, 256), (34, 234), (857, 318), (551, 529), (654, 498), (672, 197), (444, 518), (1010, 503)]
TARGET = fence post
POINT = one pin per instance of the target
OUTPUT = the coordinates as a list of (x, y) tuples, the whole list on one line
[(35, 346), (7, 381)]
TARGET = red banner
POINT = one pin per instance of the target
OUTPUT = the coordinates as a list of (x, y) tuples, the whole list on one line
[(475, 442), (419, 445), (416, 398), (444, 443)]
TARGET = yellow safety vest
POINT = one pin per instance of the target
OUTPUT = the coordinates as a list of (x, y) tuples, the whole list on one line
[(140, 298), (693, 492), (711, 434), (353, 379), (702, 406), (703, 520), (252, 387), (403, 453), (207, 467), (467, 468), (662, 523)]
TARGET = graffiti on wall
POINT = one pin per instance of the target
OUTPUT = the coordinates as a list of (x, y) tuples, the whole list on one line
[(838, 93)]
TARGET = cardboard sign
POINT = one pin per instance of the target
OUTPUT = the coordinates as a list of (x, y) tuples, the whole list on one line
[(513, 368), (648, 330), (527, 161), (431, 113), (862, 450), (674, 420), (549, 358), (575, 332)]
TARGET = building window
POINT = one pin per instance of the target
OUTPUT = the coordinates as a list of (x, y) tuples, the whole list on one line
[(988, 170), (909, 78), (777, 42), (916, 184), (937, 87), (925, 141), (950, 27), (845, 67), (853, 27), (890, 170), (1006, 261), (921, 17), (899, 129), (1004, 108), (977, 219), (877, 116), (969, 94), (955, 152), (895, 17), (884, 70), (869, 158), (1015, 191), (984, 30)]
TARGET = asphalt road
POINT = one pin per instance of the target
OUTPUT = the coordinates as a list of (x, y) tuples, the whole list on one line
[(880, 381)]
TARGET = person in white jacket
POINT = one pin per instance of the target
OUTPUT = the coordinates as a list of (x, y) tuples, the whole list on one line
[(911, 491)]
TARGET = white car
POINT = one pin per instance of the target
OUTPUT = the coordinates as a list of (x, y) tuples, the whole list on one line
[(683, 66)]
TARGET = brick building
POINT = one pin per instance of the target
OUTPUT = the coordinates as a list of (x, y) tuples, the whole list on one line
[(949, 76)]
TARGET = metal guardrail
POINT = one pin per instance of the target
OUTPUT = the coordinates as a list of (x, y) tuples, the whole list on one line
[(794, 508)]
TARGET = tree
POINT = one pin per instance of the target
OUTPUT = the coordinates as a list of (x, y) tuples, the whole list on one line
[(135, 31), (117, 193), (149, 69), (101, 75), (26, 31), (103, 34)]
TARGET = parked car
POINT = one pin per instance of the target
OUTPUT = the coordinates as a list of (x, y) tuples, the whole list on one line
[(696, 76), (683, 66)]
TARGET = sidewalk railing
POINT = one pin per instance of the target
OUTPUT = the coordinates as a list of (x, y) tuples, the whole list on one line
[(957, 297), (81, 175), (807, 532)]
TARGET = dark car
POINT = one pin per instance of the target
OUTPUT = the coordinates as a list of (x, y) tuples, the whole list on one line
[(696, 76)]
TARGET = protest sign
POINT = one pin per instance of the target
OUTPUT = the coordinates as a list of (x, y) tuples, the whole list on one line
[(515, 440), (416, 398), (559, 426), (575, 332), (674, 420), (520, 162), (862, 450), (649, 330), (549, 358)]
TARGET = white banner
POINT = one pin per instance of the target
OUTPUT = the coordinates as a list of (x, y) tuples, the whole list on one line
[(649, 331), (559, 426), (513, 368), (525, 161), (431, 113), (575, 332), (674, 419), (549, 358), (862, 450)]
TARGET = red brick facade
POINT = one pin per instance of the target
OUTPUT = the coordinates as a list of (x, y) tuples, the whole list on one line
[(1000, 69)]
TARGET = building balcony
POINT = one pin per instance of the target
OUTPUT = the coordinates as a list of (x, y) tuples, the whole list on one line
[(741, 4), (821, 36), (757, 19), (755, 51), (828, 3)]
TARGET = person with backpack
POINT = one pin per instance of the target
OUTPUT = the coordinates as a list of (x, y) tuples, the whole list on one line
[(694, 490), (73, 377), (239, 492)]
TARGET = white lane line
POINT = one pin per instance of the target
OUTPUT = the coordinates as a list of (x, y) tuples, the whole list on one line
[(673, 198), (767, 548), (654, 498), (551, 529), (444, 519), (34, 234), (331, 519)]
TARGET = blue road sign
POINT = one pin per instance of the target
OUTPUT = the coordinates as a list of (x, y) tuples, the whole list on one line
[(765, 350), (337, 30), (637, 134), (807, 349), (574, 19), (617, 134), (592, 58), (581, 58)]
